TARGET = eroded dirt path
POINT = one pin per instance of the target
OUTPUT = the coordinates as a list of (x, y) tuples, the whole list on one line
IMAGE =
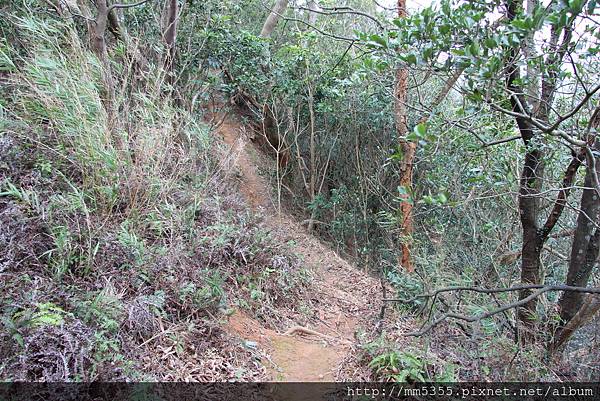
[(343, 298)]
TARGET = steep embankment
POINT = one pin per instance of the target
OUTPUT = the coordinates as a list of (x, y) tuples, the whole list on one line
[(343, 299)]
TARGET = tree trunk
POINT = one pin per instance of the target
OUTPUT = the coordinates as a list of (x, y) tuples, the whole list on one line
[(273, 18), (529, 52), (312, 14), (98, 42), (98, 45), (586, 241), (584, 255), (170, 35), (589, 308), (529, 186), (533, 240), (114, 26), (408, 150), (313, 160)]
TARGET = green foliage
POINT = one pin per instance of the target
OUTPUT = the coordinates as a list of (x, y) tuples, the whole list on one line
[(130, 240), (210, 295), (399, 366), (25, 196), (65, 253), (39, 315), (43, 314), (125, 193), (407, 285), (420, 134), (409, 367), (102, 309)]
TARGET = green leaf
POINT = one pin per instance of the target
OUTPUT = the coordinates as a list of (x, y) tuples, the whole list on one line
[(576, 6), (412, 137), (446, 8), (398, 22), (474, 49), (379, 40), (491, 42), (256, 294), (408, 58), (420, 130), (19, 339)]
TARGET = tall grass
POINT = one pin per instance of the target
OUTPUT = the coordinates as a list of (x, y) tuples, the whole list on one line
[(129, 163), (139, 162)]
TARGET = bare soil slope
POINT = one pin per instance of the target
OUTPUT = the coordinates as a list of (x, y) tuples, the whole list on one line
[(344, 299)]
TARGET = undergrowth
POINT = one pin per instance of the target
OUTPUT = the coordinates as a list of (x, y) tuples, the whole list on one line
[(121, 241)]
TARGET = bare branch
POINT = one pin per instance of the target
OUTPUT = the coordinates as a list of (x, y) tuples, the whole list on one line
[(561, 118), (540, 289), (563, 194), (500, 141), (331, 35), (341, 11), (483, 290), (121, 6)]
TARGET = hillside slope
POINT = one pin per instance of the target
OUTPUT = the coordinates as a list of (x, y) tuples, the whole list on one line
[(127, 251), (343, 299)]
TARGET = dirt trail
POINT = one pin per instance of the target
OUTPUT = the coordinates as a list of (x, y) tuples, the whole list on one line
[(344, 298)]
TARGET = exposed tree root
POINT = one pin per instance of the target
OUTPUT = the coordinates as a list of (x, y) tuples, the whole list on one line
[(299, 329)]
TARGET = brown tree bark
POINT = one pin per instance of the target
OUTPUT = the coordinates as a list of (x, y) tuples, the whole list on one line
[(114, 26), (586, 241), (529, 187), (170, 35), (408, 149), (529, 213), (534, 235), (273, 18), (98, 45), (590, 307), (97, 40)]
